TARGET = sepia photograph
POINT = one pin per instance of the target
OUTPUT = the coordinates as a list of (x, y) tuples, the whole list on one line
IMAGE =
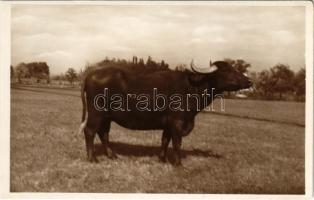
[(160, 97)]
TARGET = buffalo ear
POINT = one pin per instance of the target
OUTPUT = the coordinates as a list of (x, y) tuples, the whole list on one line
[(196, 79)]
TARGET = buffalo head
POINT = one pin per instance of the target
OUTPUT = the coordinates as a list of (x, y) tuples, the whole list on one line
[(222, 76)]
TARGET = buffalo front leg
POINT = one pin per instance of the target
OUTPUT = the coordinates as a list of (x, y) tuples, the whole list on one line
[(103, 134), (177, 130), (165, 140), (176, 144)]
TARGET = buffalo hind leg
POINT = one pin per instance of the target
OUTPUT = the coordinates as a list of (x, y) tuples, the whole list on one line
[(89, 140), (92, 125), (103, 134), (165, 140)]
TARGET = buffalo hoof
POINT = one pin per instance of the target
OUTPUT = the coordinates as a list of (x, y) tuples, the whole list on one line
[(177, 163), (111, 154), (162, 159), (162, 156), (93, 160)]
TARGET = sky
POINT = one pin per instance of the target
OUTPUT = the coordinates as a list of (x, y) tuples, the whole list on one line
[(73, 35)]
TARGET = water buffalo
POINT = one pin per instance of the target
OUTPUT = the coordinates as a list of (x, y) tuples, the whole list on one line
[(161, 100)]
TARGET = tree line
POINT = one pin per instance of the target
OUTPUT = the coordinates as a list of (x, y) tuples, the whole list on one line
[(37, 70), (280, 82), (276, 83), (137, 64)]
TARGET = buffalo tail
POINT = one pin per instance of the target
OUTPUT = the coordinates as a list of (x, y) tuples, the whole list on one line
[(85, 113)]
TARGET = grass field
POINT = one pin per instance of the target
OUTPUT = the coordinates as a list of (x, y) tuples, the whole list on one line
[(254, 147)]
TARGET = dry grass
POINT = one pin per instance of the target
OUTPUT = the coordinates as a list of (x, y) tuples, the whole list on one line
[(223, 154), (278, 111)]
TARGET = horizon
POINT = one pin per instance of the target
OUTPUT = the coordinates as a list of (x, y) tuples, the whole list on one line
[(67, 36)]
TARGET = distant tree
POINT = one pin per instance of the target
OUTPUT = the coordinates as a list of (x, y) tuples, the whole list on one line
[(39, 70), (80, 74), (149, 61), (11, 72), (22, 71), (180, 67), (141, 62), (164, 65), (88, 67), (230, 61), (107, 60), (283, 78), (299, 83), (253, 76), (134, 61), (151, 64), (241, 65), (71, 75), (264, 83), (124, 62)]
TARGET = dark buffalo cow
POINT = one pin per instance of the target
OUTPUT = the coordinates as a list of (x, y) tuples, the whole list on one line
[(151, 101)]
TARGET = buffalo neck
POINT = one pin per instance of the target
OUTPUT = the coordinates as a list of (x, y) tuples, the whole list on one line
[(212, 91)]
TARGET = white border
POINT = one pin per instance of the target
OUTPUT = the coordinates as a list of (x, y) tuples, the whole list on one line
[(5, 60), (309, 100), (187, 3), (5, 22)]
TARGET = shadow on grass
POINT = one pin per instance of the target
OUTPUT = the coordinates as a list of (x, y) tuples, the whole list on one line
[(141, 151)]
